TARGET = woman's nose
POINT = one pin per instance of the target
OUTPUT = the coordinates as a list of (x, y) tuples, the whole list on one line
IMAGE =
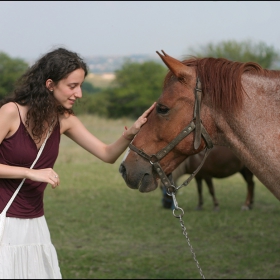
[(78, 93)]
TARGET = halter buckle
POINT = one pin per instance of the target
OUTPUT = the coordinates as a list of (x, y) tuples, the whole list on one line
[(153, 159), (171, 190)]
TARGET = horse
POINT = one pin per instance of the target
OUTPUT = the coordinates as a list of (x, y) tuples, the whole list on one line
[(221, 163), (205, 102)]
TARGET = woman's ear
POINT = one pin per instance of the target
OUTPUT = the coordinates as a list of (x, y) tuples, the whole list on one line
[(49, 84)]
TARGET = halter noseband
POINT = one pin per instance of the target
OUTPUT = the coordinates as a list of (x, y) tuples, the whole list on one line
[(195, 124)]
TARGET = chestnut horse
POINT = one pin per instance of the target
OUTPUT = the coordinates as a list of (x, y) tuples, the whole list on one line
[(221, 163), (208, 101)]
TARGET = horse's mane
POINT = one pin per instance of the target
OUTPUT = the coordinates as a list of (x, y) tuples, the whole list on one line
[(221, 79)]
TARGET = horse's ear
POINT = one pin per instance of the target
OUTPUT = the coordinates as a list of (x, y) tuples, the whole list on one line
[(174, 65)]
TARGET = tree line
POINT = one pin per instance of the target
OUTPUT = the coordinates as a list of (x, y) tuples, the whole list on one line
[(138, 85)]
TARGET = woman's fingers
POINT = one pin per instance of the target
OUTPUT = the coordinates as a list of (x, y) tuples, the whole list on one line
[(142, 119), (54, 180), (148, 111), (47, 175)]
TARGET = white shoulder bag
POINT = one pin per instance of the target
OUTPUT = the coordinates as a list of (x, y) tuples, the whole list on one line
[(3, 214)]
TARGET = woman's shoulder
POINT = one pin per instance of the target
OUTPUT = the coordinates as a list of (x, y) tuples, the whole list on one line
[(9, 109), (67, 121), (66, 116), (9, 120)]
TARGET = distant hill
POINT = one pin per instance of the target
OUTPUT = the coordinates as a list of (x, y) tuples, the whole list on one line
[(109, 64), (102, 68)]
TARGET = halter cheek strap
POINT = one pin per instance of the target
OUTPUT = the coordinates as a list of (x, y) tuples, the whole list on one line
[(196, 115), (200, 131)]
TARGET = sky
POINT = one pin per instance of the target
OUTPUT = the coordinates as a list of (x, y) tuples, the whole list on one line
[(29, 29)]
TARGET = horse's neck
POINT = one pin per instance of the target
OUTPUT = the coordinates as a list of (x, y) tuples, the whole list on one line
[(253, 133), (259, 115), (260, 110)]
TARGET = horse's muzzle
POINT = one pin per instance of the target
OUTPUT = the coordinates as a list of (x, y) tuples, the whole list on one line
[(143, 181)]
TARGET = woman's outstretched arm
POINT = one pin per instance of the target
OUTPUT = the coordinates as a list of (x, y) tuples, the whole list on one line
[(72, 127)]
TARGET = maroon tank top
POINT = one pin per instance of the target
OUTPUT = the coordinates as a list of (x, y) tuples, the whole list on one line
[(21, 150)]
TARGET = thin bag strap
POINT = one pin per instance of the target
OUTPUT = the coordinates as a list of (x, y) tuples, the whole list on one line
[(19, 187)]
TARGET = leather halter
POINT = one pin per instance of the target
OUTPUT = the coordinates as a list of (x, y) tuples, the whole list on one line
[(195, 124)]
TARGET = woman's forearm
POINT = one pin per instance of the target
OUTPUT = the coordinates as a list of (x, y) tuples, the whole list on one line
[(115, 150), (13, 172)]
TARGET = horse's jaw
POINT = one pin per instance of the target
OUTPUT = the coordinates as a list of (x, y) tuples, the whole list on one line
[(144, 182), (147, 183), (138, 174)]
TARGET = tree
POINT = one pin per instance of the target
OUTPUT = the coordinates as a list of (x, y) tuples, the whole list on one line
[(137, 86), (10, 70), (89, 88), (95, 104), (245, 51)]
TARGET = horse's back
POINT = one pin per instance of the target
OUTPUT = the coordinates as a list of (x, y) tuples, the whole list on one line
[(220, 163)]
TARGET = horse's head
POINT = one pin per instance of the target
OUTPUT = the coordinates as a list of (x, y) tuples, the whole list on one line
[(172, 133)]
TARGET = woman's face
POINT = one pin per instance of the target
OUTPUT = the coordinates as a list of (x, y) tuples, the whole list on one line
[(69, 89)]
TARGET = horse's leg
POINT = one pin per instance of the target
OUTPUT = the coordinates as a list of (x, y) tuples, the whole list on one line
[(212, 192), (199, 190), (248, 176)]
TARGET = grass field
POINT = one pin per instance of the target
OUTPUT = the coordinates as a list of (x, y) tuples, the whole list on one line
[(100, 80), (102, 229)]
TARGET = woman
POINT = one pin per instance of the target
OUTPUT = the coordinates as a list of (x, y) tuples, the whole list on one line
[(42, 103)]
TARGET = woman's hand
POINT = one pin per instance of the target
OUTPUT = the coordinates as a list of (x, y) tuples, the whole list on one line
[(47, 175), (132, 131)]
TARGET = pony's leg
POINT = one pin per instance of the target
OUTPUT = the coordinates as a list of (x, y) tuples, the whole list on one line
[(199, 190), (210, 185), (248, 177)]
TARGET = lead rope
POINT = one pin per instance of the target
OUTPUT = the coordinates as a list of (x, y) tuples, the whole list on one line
[(185, 231)]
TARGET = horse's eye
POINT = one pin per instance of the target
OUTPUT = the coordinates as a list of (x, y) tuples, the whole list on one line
[(161, 109)]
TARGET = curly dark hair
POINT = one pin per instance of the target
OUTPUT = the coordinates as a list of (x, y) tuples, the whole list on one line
[(31, 88)]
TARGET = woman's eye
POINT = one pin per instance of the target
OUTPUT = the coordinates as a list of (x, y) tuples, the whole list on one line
[(162, 109)]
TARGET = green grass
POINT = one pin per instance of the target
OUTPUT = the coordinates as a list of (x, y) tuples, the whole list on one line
[(102, 229)]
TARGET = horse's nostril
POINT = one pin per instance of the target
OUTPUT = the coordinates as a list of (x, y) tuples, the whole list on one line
[(122, 170)]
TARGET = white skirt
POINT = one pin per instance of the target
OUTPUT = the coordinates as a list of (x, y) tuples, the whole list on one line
[(26, 251)]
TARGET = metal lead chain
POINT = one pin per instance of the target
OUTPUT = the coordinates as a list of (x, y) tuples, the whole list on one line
[(191, 248), (185, 232)]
